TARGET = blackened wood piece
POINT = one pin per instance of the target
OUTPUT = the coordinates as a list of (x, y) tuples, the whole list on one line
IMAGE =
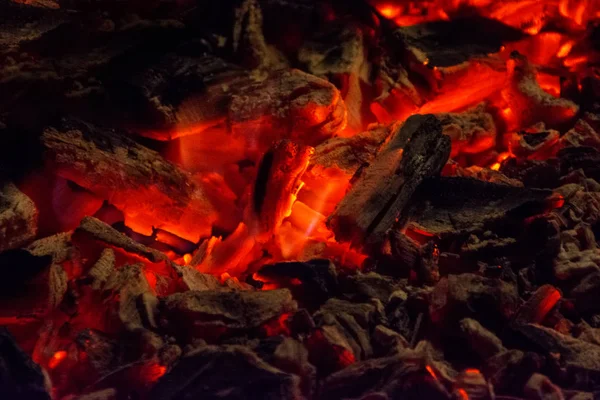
[(232, 309), (449, 43), (20, 377), (380, 195), (318, 280), (18, 217), (233, 372), (450, 206), (98, 230), (148, 189)]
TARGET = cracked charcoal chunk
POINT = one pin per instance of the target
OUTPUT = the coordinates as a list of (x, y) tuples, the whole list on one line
[(225, 372)]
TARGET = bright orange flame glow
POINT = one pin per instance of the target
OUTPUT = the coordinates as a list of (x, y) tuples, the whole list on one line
[(462, 393), (56, 359), (389, 11), (573, 61), (472, 371), (565, 49), (187, 258), (495, 166)]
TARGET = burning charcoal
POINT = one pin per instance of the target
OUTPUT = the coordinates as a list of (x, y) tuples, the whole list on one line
[(179, 95), (485, 343), (288, 104), (18, 218), (102, 269), (338, 54), (58, 246), (533, 173), (448, 206), (404, 253), (362, 287), (151, 191), (472, 131), (317, 280), (98, 230), (539, 387), (473, 384), (196, 280), (490, 301), (535, 146), (381, 193), (406, 375), (537, 307), (528, 101), (196, 313), (575, 355), (585, 294), (232, 372), (20, 377), (276, 185)]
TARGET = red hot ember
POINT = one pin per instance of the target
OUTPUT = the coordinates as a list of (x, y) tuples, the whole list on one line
[(300, 199)]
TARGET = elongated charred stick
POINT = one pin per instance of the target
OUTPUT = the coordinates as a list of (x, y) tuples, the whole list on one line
[(375, 202), (149, 190)]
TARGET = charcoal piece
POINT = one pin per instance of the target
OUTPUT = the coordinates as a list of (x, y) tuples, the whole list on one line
[(387, 341), (579, 255), (540, 387), (18, 217), (528, 101), (485, 343), (533, 173), (194, 311), (584, 158), (225, 372), (537, 307), (196, 280), (585, 294), (104, 394), (277, 182), (318, 280), (344, 325), (98, 230), (473, 383), (490, 301), (102, 269), (288, 104), (380, 195), (178, 95), (292, 356), (20, 377), (575, 355), (508, 371), (450, 43), (451, 206), (362, 287), (582, 134), (248, 42), (403, 375), (471, 131), (338, 53), (58, 246), (149, 190), (24, 23)]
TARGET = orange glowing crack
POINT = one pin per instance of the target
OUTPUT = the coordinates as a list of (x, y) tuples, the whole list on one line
[(56, 359)]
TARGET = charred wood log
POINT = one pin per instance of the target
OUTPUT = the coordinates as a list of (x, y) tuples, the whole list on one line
[(150, 190), (382, 192)]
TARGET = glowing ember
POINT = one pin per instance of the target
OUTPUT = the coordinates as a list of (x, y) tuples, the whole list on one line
[(56, 359)]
